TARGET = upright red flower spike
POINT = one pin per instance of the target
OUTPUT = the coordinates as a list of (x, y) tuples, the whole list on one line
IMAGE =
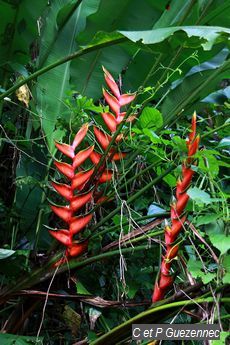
[(116, 101), (67, 213), (177, 218), (78, 178)]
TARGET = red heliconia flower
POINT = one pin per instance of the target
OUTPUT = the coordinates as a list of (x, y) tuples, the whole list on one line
[(81, 186), (116, 101), (177, 218), (74, 224)]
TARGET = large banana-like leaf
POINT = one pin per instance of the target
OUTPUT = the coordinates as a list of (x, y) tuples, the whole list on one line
[(58, 39), (206, 36), (127, 14), (192, 90)]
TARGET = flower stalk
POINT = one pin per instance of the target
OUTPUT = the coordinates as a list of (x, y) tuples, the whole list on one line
[(178, 204)]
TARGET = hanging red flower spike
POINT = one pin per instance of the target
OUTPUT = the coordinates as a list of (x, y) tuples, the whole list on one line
[(177, 220)]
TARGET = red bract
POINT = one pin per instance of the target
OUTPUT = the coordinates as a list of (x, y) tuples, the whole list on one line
[(68, 191), (81, 187), (116, 100), (177, 220)]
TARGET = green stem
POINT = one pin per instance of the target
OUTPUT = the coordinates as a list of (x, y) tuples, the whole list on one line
[(144, 237), (133, 178), (60, 62), (135, 196), (215, 130), (106, 255), (149, 316), (46, 271), (115, 227)]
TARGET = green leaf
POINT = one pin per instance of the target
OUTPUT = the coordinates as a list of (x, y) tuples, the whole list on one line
[(155, 139), (170, 180), (197, 271), (5, 253), (215, 232), (224, 142), (56, 42), (226, 266), (222, 340), (86, 74), (192, 89), (151, 118), (208, 35), (12, 339), (195, 268), (18, 29), (81, 289), (206, 219), (209, 162), (207, 277), (199, 196)]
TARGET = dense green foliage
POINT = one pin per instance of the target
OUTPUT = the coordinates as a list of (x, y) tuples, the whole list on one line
[(175, 55)]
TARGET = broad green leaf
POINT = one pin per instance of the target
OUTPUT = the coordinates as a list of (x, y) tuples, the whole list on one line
[(56, 42), (170, 180), (201, 220), (133, 288), (86, 74), (151, 118), (207, 36), (197, 270), (5, 253), (192, 90), (217, 236), (199, 196), (209, 162), (207, 277), (127, 14), (218, 12)]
